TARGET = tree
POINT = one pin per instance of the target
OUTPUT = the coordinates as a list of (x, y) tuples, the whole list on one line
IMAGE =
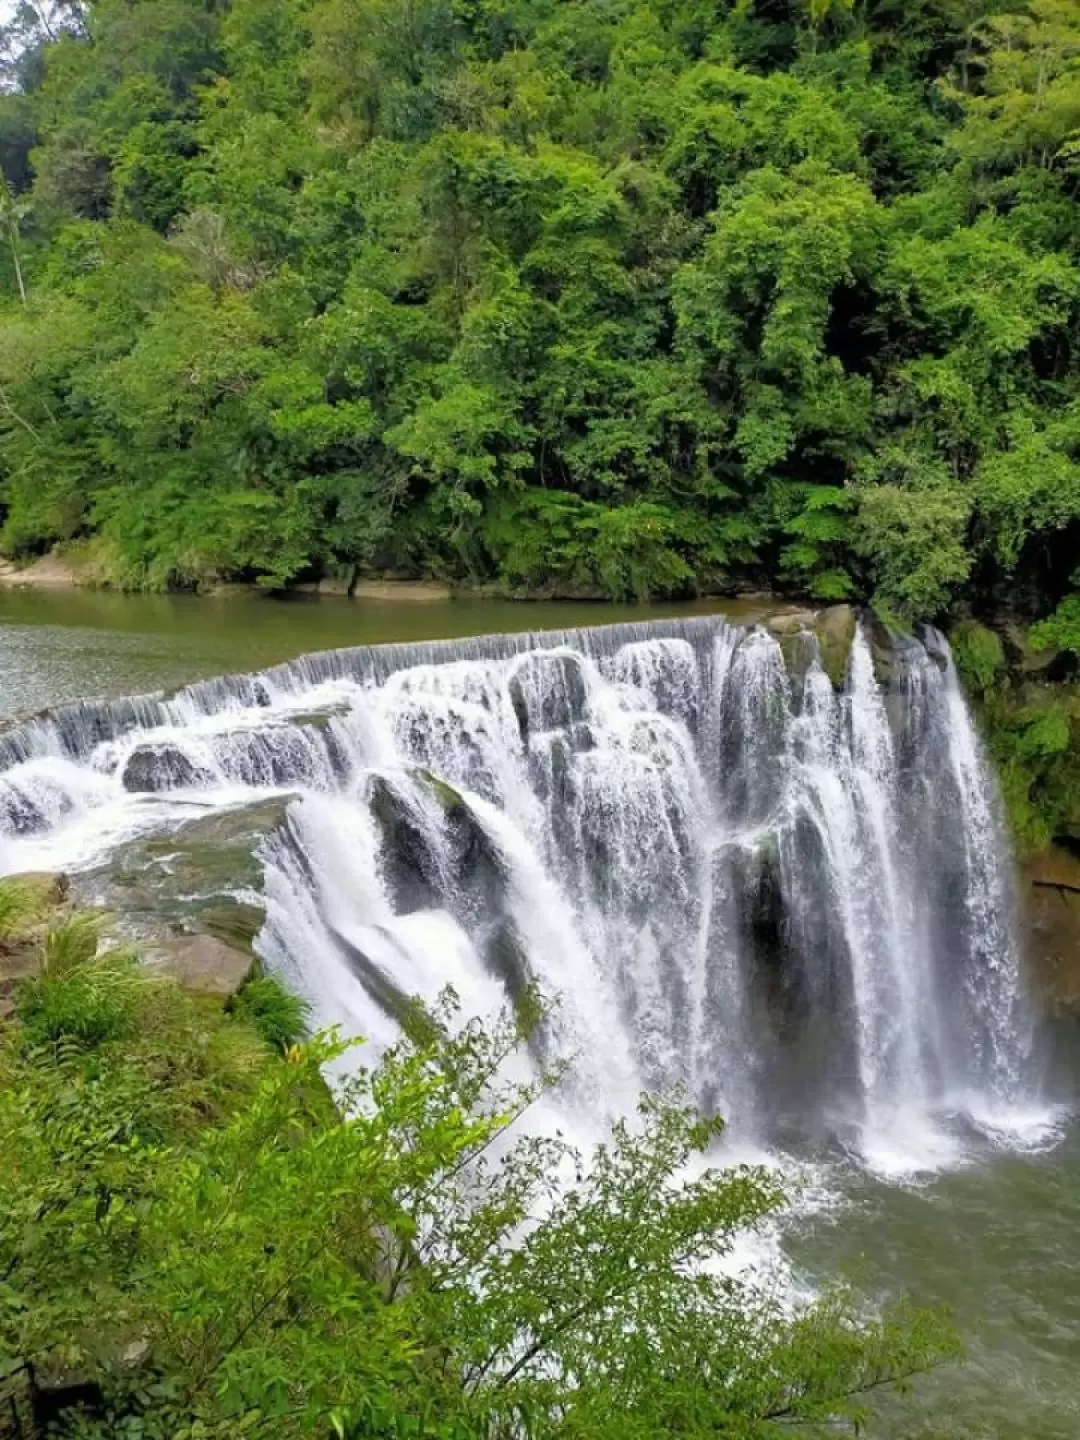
[(677, 282), (406, 1260), (12, 212)]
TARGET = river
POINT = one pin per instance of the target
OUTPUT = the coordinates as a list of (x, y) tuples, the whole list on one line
[(59, 645), (986, 1222)]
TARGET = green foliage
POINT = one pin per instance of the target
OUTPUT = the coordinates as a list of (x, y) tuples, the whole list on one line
[(279, 1016), (979, 656), (400, 1262), (23, 907), (1037, 753), (1031, 732), (80, 995), (635, 298), (916, 544), (1061, 630)]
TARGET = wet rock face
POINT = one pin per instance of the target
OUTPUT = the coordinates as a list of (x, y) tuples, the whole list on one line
[(153, 768), (548, 692), (455, 867), (1050, 916), (833, 629), (190, 880), (409, 863), (18, 813)]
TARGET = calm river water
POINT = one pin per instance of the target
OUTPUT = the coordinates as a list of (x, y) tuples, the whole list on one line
[(995, 1236)]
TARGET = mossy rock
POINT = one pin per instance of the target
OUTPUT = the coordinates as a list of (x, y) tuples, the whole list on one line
[(450, 799), (826, 634), (28, 903), (835, 631)]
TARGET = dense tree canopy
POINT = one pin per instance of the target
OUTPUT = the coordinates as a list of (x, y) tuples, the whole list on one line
[(636, 296)]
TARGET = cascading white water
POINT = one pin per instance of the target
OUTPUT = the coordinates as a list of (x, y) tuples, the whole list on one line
[(791, 901)]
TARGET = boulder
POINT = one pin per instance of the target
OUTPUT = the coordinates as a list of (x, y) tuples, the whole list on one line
[(202, 964), (19, 813), (153, 768)]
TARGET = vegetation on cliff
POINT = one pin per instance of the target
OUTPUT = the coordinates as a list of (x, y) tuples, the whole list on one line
[(196, 1242), (633, 296)]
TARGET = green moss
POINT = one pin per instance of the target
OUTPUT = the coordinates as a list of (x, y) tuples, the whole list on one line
[(979, 656), (1032, 733), (26, 904), (445, 794)]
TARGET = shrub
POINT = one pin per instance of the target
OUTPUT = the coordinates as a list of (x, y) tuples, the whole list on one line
[(80, 994), (278, 1016)]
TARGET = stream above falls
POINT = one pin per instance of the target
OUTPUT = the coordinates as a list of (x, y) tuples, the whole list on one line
[(795, 902)]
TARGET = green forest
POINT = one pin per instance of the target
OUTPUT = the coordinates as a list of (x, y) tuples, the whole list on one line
[(568, 297)]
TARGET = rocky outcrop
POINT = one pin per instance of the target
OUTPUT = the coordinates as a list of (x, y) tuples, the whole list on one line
[(548, 692), (409, 863), (202, 964), (418, 590), (833, 628), (1050, 912), (153, 768)]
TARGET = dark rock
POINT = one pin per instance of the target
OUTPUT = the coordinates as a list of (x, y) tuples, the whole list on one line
[(409, 864), (154, 768), (548, 692), (392, 1000), (1042, 666), (19, 815), (505, 957), (478, 868), (883, 652)]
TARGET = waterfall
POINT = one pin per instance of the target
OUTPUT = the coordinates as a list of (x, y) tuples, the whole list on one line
[(791, 900)]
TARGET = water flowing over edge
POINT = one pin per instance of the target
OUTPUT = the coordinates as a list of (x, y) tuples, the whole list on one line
[(792, 901)]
